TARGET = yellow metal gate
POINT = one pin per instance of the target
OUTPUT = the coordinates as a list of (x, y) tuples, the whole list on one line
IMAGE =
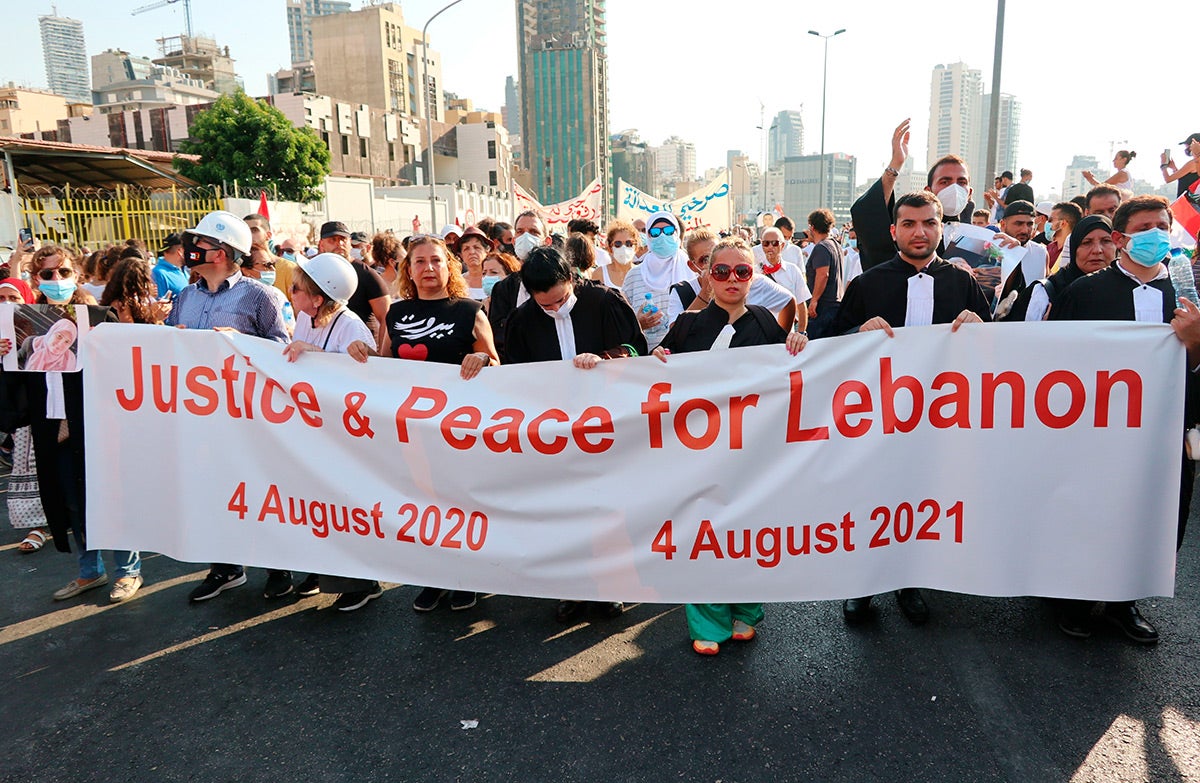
[(90, 218)]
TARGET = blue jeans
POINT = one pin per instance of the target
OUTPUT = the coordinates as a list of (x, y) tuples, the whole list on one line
[(91, 564), (819, 326)]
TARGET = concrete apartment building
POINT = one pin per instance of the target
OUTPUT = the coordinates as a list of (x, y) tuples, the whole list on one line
[(372, 57)]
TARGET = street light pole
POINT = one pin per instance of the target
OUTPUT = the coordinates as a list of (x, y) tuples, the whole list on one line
[(824, 88), (429, 115)]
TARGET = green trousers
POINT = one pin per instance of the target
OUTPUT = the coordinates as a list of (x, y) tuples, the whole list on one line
[(714, 622)]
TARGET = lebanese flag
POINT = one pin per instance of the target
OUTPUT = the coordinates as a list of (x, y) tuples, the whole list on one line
[(1186, 210), (262, 205)]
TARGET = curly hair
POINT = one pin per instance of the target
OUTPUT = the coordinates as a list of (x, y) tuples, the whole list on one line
[(456, 285), (131, 285), (385, 249)]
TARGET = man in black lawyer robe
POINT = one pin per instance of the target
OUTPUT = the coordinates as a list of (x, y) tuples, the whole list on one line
[(1136, 288), (872, 212), (915, 288)]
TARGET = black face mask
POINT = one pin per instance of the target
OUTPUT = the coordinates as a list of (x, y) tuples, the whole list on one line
[(511, 250), (194, 255)]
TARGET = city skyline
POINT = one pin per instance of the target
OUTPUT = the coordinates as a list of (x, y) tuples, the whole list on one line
[(717, 102)]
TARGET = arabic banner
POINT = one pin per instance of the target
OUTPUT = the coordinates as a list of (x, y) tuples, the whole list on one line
[(586, 206), (708, 208), (1007, 460)]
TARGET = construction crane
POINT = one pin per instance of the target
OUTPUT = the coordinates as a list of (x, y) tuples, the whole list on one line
[(187, 11)]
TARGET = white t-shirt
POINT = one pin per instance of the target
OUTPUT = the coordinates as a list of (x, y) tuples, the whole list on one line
[(791, 277), (334, 337)]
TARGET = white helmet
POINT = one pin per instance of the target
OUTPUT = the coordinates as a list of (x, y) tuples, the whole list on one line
[(226, 228), (332, 273)]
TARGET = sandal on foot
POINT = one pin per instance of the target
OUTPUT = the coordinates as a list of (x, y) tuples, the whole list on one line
[(705, 648), (33, 542)]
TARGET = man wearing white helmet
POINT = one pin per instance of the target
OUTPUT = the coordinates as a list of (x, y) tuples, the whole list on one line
[(223, 299)]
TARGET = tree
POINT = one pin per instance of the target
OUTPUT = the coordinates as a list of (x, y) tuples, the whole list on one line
[(252, 142)]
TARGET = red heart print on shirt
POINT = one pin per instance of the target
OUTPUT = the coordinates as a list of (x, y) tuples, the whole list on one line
[(418, 352)]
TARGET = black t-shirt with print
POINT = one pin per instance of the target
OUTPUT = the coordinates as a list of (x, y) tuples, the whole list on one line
[(432, 330)]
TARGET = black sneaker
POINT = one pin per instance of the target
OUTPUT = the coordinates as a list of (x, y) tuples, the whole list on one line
[(216, 583), (348, 602), (429, 599), (279, 584), (310, 586), (460, 600)]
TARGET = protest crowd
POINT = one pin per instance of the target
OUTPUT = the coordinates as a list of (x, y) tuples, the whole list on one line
[(502, 292)]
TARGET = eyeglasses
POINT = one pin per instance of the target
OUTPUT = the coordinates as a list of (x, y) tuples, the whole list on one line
[(669, 230), (626, 243), (266, 264), (61, 272), (771, 243), (721, 272)]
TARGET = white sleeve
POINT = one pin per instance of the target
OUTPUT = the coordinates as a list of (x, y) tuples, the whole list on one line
[(348, 329), (675, 304), (765, 292), (799, 284), (1039, 303)]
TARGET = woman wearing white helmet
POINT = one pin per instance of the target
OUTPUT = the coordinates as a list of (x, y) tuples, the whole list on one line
[(320, 289), (321, 286)]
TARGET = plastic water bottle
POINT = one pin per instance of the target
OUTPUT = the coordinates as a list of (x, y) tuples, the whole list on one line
[(649, 307), (289, 317), (1182, 278)]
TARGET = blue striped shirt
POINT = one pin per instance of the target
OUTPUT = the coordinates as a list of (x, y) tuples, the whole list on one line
[(239, 303)]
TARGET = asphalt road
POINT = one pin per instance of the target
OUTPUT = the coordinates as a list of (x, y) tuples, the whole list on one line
[(243, 689)]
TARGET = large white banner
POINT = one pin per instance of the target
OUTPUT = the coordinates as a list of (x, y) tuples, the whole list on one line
[(1007, 459), (586, 206), (711, 207)]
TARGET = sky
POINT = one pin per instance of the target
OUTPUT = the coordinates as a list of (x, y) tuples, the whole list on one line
[(701, 70)]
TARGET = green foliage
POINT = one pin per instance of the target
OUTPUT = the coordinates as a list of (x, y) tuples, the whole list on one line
[(253, 142)]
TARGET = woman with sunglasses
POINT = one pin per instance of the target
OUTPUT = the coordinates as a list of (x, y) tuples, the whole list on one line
[(622, 239), (727, 322), (647, 287)]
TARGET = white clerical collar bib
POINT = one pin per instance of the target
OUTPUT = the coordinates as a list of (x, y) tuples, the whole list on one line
[(919, 308)]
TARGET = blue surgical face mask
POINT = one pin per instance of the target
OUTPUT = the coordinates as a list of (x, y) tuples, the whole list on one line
[(489, 282), (289, 255), (57, 291), (664, 246), (1149, 247), (851, 243), (1049, 232), (267, 277)]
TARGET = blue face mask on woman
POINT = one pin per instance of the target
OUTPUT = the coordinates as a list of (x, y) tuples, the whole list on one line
[(57, 291), (663, 240)]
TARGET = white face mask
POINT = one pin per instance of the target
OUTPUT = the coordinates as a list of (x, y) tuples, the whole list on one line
[(623, 254), (954, 200), (356, 253), (564, 310), (525, 243)]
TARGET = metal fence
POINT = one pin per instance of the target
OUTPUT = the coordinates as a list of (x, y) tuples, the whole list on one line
[(91, 218)]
